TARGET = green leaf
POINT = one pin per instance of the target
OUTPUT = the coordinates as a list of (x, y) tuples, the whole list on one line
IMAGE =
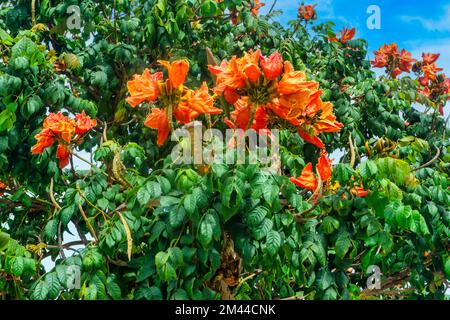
[(4, 240), (255, 216), (40, 291), (329, 225), (67, 214), (263, 229), (206, 230), (342, 245), (176, 217), (112, 288), (53, 286), (51, 229), (273, 242)]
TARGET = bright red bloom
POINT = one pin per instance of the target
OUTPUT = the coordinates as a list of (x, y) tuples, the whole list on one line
[(63, 154), (272, 65), (84, 123), (429, 58), (143, 87), (158, 120)]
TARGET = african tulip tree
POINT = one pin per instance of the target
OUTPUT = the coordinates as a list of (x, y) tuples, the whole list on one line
[(87, 118)]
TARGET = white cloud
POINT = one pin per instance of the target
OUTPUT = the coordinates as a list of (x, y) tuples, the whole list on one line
[(439, 24)]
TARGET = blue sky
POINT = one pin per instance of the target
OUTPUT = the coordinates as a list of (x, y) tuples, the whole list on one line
[(415, 25)]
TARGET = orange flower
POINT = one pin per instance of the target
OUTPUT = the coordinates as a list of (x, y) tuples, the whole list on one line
[(84, 123), (324, 167), (184, 114), (429, 58), (405, 62), (200, 101), (308, 12), (294, 81), (430, 71), (230, 95), (60, 124), (347, 34), (45, 139), (177, 71), (381, 60), (243, 112), (63, 154), (307, 179), (313, 140), (2, 188), (228, 76), (272, 65), (143, 87), (158, 120), (255, 9)]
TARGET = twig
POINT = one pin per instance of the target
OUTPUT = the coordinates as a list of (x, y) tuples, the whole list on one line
[(272, 7), (352, 150), (91, 229), (242, 281), (438, 153), (52, 196)]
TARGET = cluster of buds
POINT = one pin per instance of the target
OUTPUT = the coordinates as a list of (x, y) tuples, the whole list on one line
[(177, 100), (434, 85), (65, 131), (307, 12), (266, 90), (395, 61)]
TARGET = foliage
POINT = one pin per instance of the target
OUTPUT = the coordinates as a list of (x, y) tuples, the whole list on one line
[(153, 229)]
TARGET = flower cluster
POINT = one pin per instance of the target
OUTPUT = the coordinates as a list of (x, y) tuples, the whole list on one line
[(434, 84), (177, 100), (307, 12), (266, 90), (346, 35), (394, 60), (63, 130)]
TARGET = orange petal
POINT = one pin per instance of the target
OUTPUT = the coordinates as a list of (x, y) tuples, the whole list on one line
[(63, 154), (158, 120), (307, 179)]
